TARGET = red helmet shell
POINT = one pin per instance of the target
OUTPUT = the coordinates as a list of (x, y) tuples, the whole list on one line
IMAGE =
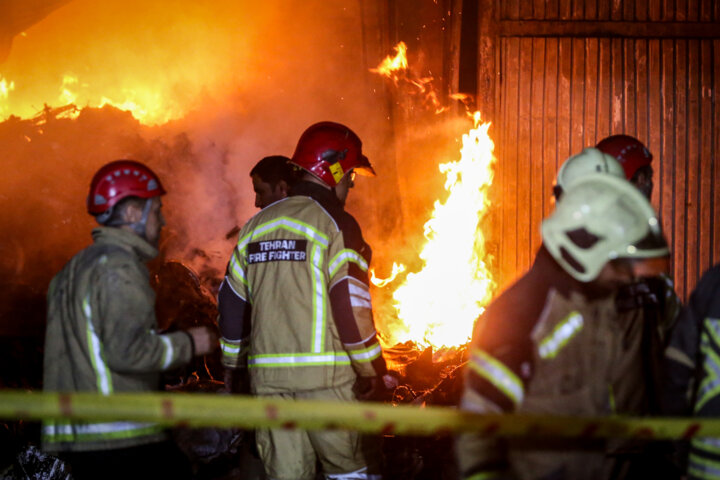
[(121, 179), (329, 151), (629, 151)]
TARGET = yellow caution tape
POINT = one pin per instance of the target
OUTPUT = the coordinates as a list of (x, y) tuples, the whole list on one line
[(209, 410)]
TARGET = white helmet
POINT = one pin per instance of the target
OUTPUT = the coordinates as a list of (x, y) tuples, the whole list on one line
[(598, 219), (590, 160)]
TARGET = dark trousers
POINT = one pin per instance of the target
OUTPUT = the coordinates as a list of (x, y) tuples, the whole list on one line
[(152, 461)]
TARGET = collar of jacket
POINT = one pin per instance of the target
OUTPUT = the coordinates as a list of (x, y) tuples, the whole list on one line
[(324, 196), (553, 275), (128, 240)]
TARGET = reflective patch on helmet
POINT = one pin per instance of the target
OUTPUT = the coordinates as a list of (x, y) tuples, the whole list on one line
[(99, 199), (109, 178), (152, 185), (337, 172)]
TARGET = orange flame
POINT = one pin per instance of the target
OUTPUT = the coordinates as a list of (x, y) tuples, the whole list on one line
[(397, 269), (396, 68), (438, 305), (5, 89)]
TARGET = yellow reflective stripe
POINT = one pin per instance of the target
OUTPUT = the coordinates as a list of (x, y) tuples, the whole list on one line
[(103, 377), (286, 223), (87, 432), (344, 256), (298, 359), (705, 468), (498, 374), (563, 332), (710, 386), (707, 444), (366, 354), (236, 269), (319, 301), (169, 352), (484, 476)]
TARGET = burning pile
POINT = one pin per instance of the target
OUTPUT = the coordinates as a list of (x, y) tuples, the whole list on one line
[(438, 305)]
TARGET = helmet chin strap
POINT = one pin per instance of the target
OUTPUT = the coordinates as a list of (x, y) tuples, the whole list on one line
[(139, 227)]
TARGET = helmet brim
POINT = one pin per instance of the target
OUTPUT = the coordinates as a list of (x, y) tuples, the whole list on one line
[(364, 168)]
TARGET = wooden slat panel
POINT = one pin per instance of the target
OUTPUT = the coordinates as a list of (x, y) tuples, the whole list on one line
[(655, 112), (552, 9), (510, 99), (526, 10), (524, 170), (511, 9), (706, 156), (629, 86), (716, 153), (563, 100), (539, 10), (591, 10), (603, 11), (605, 98), (668, 10), (706, 10), (550, 115), (641, 90), (667, 152), (577, 115), (566, 9), (692, 204), (617, 117), (681, 10), (591, 92), (578, 10), (655, 10), (679, 242), (616, 11), (538, 192), (693, 10)]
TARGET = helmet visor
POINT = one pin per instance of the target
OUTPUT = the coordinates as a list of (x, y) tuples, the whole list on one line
[(364, 168)]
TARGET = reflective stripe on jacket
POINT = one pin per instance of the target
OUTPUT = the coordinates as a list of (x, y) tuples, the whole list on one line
[(101, 338), (301, 313)]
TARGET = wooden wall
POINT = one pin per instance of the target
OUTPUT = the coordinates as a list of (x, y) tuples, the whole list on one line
[(553, 85)]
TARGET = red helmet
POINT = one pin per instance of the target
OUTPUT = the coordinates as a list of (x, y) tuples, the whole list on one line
[(121, 179), (629, 151), (329, 150)]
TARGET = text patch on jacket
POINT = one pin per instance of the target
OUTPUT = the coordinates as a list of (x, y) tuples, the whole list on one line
[(277, 251)]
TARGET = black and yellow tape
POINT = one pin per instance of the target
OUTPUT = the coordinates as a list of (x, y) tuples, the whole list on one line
[(208, 410)]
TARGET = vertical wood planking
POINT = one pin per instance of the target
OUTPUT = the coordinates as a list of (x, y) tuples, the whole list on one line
[(668, 10), (629, 82), (681, 10), (706, 13), (563, 100), (680, 190), (654, 10), (578, 9), (577, 103), (538, 10), (629, 10), (706, 157), (617, 117), (641, 10), (667, 152), (591, 10), (550, 116), (654, 140), (616, 10), (524, 170), (605, 98), (538, 192), (693, 10), (603, 11), (511, 9), (641, 90), (692, 204), (591, 92), (566, 9), (716, 153), (552, 9), (510, 153)]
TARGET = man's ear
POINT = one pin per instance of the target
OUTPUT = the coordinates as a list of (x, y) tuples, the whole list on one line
[(132, 213), (283, 187)]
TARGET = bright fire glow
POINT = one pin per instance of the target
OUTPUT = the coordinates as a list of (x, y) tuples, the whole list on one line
[(438, 305), (397, 269), (396, 68), (5, 89)]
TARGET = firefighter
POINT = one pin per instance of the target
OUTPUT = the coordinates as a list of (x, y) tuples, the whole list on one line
[(553, 344), (692, 367), (272, 178), (653, 299), (590, 160), (101, 332), (295, 309)]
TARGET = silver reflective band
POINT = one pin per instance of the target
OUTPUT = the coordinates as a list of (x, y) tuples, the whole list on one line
[(371, 354), (94, 428), (299, 360), (499, 375), (561, 335), (169, 352)]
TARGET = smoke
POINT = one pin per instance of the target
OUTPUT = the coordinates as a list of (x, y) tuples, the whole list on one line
[(221, 83)]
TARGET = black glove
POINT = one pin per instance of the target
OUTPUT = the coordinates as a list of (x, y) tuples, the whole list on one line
[(236, 380), (375, 389)]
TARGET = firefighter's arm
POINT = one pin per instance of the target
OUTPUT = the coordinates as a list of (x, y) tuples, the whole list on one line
[(123, 323), (235, 307), (352, 311)]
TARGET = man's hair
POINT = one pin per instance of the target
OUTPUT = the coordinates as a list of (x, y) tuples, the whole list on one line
[(116, 219), (274, 168)]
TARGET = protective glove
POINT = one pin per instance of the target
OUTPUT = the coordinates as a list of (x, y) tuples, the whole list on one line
[(377, 389)]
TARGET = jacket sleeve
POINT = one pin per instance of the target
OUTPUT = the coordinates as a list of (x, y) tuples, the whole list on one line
[(234, 323), (350, 301), (123, 320)]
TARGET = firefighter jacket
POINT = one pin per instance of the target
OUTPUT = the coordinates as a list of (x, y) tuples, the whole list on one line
[(692, 384), (551, 345), (101, 338), (295, 305)]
